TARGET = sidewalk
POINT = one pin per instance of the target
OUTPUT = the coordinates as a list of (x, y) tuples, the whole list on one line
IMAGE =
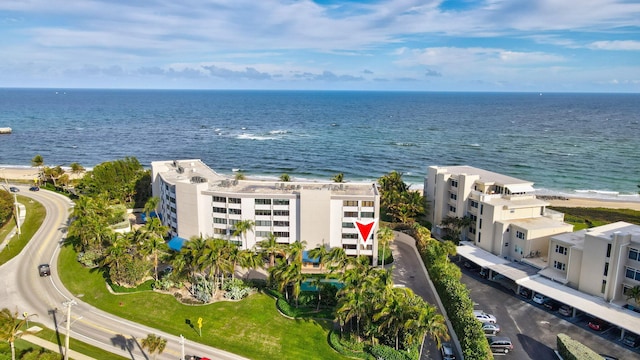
[(54, 347), (22, 210)]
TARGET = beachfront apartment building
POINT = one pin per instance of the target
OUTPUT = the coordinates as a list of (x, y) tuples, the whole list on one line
[(603, 261), (507, 219), (197, 201)]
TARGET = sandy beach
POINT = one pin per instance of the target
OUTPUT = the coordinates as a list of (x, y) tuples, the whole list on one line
[(24, 174), (27, 174)]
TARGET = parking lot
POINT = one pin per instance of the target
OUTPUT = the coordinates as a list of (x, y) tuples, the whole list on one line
[(533, 328)]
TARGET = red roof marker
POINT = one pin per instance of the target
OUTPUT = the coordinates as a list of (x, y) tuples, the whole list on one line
[(365, 229)]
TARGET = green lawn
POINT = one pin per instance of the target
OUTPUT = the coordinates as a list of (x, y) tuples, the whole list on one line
[(35, 217), (251, 327), (79, 346), (583, 218)]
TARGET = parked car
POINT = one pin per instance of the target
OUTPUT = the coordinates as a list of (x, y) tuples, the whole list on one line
[(484, 317), (14, 189), (500, 344), (34, 188), (539, 299), (551, 304), (525, 293), (631, 340), (447, 352), (490, 329), (194, 357), (565, 310), (598, 325), (44, 270), (471, 266)]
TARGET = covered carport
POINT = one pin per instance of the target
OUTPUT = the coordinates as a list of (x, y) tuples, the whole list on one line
[(595, 306)]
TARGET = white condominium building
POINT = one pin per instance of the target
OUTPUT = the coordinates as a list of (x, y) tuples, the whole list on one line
[(197, 201), (506, 217), (603, 261)]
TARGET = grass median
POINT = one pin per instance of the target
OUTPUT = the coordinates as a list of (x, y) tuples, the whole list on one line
[(251, 327)]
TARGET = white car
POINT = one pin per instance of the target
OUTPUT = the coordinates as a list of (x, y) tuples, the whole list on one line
[(490, 329), (484, 317), (539, 299)]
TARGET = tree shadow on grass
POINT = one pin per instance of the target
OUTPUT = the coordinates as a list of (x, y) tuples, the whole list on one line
[(535, 349)]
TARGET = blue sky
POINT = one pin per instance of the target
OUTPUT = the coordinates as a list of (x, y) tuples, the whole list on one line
[(461, 45)]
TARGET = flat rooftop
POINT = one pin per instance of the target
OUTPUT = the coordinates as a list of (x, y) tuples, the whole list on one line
[(195, 171), (485, 176)]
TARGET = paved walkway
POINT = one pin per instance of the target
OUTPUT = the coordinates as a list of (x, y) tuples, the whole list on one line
[(54, 347), (22, 210)]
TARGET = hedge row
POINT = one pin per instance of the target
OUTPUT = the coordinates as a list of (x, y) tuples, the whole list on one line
[(571, 349), (455, 297)]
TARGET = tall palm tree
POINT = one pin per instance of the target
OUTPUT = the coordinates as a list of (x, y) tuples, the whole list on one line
[(212, 258), (424, 320), (153, 243), (389, 317), (385, 236), (154, 343), (11, 328), (321, 254), (151, 205), (634, 293), (279, 276), (38, 161), (241, 228), (271, 247), (250, 259)]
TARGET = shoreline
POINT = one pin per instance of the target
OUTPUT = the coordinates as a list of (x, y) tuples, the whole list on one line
[(26, 174)]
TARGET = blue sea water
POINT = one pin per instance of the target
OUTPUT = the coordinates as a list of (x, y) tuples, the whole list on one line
[(576, 144)]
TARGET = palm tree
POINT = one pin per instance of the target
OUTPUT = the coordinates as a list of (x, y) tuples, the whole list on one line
[(154, 343), (321, 253), (385, 236), (424, 320), (76, 168), (212, 258), (153, 243), (390, 315), (271, 247), (11, 328), (634, 293), (338, 178), (250, 259), (151, 205), (38, 161), (240, 176), (285, 177), (241, 228)]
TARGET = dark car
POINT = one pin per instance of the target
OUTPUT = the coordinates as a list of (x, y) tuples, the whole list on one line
[(34, 188), (14, 189), (631, 340), (598, 325), (194, 357), (500, 344), (525, 293), (44, 270), (471, 266), (551, 305), (565, 310)]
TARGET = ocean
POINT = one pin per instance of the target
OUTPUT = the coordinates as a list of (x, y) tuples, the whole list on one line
[(568, 144)]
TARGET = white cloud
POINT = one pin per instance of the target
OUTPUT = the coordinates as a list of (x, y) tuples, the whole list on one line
[(629, 45)]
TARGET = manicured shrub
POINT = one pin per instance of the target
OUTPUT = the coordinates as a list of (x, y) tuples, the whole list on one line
[(389, 353), (571, 349)]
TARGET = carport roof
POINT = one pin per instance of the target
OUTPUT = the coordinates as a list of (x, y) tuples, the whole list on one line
[(592, 305), (511, 270)]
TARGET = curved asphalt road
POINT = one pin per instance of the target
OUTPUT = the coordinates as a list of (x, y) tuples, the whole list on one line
[(22, 289)]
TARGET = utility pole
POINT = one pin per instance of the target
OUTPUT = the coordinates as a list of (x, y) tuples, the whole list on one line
[(68, 304)]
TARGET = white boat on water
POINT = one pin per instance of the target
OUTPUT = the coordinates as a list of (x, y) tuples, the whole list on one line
[(5, 130)]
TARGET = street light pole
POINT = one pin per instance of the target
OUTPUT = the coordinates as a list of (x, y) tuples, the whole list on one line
[(68, 304)]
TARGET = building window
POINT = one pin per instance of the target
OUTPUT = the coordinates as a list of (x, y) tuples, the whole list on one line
[(606, 269), (219, 210), (479, 236), (280, 201), (281, 223), (520, 235), (235, 211), (453, 196), (452, 208), (561, 250), (233, 221), (454, 183), (262, 233), (219, 199), (263, 222), (366, 214), (350, 214), (558, 265), (280, 212), (480, 224), (219, 221), (608, 250), (367, 204), (263, 201), (604, 285), (281, 234), (349, 203), (632, 274), (349, 247), (481, 208), (350, 236), (473, 204), (633, 254), (348, 225), (220, 231), (263, 212)]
